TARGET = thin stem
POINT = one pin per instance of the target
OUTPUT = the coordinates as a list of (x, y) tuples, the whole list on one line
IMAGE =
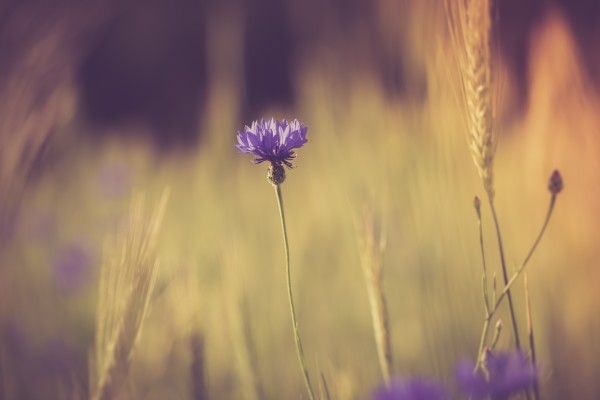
[(506, 290), (289, 287), (539, 237), (512, 280), (486, 301), (484, 282), (324, 388), (505, 275), (536, 387), (484, 332)]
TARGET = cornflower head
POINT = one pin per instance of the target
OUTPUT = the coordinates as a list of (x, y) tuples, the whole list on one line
[(504, 374), (273, 141)]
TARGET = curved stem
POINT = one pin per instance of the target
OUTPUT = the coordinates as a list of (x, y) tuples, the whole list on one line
[(299, 349), (506, 290), (539, 237), (505, 276), (512, 280)]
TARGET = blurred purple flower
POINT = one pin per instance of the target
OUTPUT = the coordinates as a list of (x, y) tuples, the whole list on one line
[(505, 374), (72, 267), (410, 389), (39, 361), (272, 140)]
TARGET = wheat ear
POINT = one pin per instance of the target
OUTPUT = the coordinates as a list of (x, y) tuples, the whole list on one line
[(127, 279), (470, 27), (370, 248)]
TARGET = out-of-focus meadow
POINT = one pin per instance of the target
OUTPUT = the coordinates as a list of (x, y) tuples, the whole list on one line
[(217, 321)]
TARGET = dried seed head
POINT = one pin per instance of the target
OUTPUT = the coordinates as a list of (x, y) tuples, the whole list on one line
[(555, 184), (276, 174)]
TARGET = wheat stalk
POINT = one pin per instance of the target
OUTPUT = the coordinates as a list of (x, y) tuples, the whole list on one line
[(127, 279), (370, 249), (470, 28)]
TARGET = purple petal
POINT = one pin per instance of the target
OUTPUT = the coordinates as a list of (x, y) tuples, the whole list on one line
[(507, 374), (410, 389), (271, 140)]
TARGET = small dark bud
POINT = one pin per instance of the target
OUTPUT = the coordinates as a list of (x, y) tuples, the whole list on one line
[(477, 205), (555, 184), (276, 174)]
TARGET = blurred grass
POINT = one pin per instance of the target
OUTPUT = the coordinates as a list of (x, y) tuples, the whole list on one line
[(221, 269)]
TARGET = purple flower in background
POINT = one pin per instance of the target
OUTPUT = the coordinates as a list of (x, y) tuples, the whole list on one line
[(504, 375), (272, 141), (72, 267), (410, 389)]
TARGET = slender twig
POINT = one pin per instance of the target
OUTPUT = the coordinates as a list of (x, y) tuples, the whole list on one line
[(535, 244), (299, 349), (477, 204), (536, 387), (484, 283), (506, 291), (484, 331), (324, 389), (511, 307)]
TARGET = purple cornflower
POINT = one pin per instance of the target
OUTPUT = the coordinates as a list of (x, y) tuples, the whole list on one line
[(504, 374), (272, 140), (410, 389)]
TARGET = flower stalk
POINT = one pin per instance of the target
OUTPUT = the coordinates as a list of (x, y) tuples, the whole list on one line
[(555, 186), (274, 141), (299, 349)]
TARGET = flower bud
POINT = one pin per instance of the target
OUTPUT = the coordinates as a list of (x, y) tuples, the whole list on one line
[(555, 184), (276, 174), (477, 205)]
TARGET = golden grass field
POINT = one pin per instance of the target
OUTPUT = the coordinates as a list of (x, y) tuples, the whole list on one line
[(217, 322)]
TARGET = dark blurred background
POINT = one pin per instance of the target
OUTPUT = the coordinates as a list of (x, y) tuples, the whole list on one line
[(146, 61)]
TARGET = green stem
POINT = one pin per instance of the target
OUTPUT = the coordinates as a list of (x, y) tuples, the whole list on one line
[(484, 283), (539, 237), (536, 386), (289, 287), (484, 332), (505, 275), (506, 291), (484, 279)]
